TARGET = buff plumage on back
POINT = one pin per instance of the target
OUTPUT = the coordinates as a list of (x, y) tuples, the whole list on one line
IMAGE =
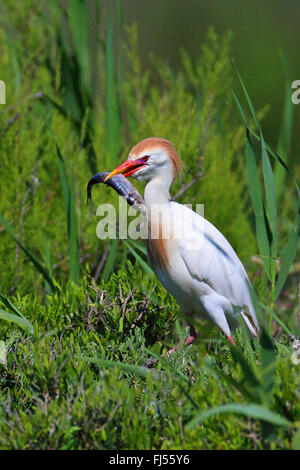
[(151, 143)]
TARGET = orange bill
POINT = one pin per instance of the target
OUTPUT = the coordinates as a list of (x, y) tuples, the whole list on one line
[(127, 168)]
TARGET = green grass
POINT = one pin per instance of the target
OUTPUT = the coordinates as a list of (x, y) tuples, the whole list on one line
[(83, 364), (78, 382)]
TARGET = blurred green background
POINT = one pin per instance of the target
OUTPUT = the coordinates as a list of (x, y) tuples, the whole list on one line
[(259, 27)]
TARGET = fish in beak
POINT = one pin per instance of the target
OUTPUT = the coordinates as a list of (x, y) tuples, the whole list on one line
[(121, 185)]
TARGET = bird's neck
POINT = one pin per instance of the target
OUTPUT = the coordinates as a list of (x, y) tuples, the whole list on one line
[(157, 199), (157, 191)]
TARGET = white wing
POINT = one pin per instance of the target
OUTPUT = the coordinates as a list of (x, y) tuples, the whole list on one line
[(210, 258)]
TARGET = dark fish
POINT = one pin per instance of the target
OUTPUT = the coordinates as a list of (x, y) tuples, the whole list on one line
[(120, 184)]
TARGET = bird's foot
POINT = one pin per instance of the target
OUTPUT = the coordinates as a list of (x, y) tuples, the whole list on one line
[(231, 340), (188, 341), (191, 337), (171, 351)]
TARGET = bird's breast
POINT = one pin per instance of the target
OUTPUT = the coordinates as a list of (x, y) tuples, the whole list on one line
[(166, 261), (159, 252)]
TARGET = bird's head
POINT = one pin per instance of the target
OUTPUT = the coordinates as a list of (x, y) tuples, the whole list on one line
[(152, 157)]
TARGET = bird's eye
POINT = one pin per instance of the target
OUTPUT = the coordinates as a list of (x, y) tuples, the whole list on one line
[(145, 158)]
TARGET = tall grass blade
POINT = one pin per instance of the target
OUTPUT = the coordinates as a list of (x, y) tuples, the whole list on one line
[(63, 178), (76, 28), (138, 246), (262, 236), (269, 186), (74, 264), (250, 104), (47, 257), (20, 321), (240, 108), (71, 217), (128, 368), (276, 318), (140, 260), (120, 52), (94, 15), (275, 155), (280, 161), (8, 303), (79, 25), (271, 206), (268, 359), (251, 410), (43, 271), (109, 265), (286, 127), (113, 127), (288, 256)]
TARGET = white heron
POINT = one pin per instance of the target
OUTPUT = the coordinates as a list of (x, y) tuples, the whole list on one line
[(200, 269)]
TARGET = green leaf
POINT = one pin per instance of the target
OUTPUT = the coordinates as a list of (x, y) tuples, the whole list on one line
[(285, 134), (250, 104), (268, 355), (252, 410), (271, 209), (280, 161), (129, 368), (276, 318), (63, 177), (269, 187), (22, 322), (138, 246), (8, 303), (258, 206), (240, 108), (143, 264), (258, 136), (288, 256)]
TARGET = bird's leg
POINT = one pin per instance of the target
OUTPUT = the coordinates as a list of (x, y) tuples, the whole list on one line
[(171, 351), (231, 340), (191, 336), (187, 342)]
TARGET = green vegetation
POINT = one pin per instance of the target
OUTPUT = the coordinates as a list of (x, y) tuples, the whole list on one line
[(84, 326)]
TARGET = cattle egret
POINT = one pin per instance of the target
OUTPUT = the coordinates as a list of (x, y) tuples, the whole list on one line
[(199, 267)]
